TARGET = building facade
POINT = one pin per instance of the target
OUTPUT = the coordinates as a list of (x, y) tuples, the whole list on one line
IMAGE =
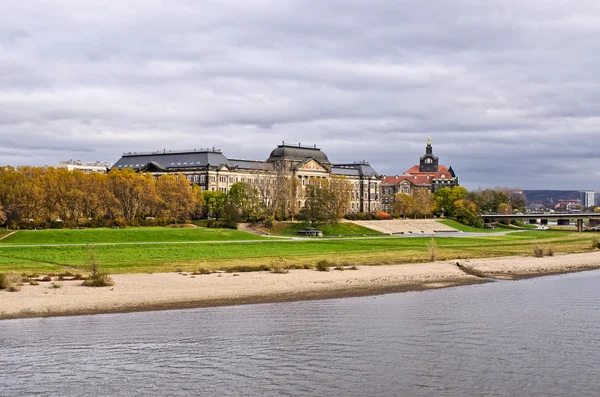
[(590, 199), (88, 168), (212, 171), (429, 174)]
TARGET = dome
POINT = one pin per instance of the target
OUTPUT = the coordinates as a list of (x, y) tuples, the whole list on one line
[(297, 153)]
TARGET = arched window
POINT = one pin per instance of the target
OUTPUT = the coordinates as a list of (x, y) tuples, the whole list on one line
[(428, 161)]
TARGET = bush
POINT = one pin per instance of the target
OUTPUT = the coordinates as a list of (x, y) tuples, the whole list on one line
[(538, 251), (10, 281), (202, 270), (381, 215), (550, 251), (322, 266), (596, 243), (339, 267), (279, 266), (432, 249), (97, 278)]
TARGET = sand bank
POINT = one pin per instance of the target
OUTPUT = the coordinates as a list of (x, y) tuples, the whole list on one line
[(139, 292)]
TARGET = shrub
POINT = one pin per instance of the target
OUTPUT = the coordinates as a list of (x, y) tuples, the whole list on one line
[(596, 243), (432, 249), (381, 215), (538, 251), (550, 251), (46, 278), (353, 267), (339, 267), (202, 270), (97, 278), (322, 266), (10, 281), (279, 265), (246, 268)]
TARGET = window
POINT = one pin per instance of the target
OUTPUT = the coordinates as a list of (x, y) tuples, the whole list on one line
[(428, 161)]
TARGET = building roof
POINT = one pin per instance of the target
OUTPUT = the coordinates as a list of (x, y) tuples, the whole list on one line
[(252, 164), (363, 168), (297, 153), (420, 178), (167, 160)]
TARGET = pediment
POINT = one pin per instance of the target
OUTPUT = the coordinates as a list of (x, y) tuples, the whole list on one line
[(312, 165)]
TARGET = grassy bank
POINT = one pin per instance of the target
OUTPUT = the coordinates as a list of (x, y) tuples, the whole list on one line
[(342, 228), (500, 227), (128, 235), (173, 254)]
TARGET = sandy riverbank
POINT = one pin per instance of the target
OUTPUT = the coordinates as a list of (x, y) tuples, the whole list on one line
[(139, 292)]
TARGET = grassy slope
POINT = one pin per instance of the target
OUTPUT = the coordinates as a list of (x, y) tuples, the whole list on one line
[(129, 235), (341, 228), (168, 257), (466, 228)]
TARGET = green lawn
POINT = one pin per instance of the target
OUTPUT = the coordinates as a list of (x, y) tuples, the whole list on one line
[(136, 258), (128, 235), (340, 228), (466, 228)]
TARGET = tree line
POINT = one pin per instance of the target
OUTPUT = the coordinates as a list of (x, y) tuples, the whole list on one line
[(457, 202), (49, 197)]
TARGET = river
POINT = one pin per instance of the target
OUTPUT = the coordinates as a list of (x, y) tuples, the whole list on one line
[(537, 337)]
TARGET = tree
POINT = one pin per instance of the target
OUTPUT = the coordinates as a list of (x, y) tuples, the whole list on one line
[(341, 189), (214, 202), (134, 193), (404, 205), (176, 199), (247, 200), (319, 206), (466, 212), (445, 198), (3, 218), (423, 202)]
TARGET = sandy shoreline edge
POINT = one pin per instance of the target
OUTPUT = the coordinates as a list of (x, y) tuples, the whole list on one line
[(163, 291)]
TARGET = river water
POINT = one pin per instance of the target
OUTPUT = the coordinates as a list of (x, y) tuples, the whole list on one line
[(538, 337)]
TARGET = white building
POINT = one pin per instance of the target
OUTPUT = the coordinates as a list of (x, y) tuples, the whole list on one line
[(88, 168), (590, 199)]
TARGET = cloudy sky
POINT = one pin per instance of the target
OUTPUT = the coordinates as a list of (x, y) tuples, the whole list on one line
[(509, 90)]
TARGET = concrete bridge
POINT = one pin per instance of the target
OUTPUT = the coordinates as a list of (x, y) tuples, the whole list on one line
[(543, 218)]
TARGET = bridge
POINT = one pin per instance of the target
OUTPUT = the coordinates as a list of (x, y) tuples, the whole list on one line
[(545, 216)]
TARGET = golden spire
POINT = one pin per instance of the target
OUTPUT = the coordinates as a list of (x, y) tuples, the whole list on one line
[(428, 141)]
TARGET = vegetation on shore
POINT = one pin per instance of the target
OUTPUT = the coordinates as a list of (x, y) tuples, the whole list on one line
[(212, 255)]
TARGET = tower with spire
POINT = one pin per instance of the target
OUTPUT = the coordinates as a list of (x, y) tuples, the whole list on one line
[(429, 162)]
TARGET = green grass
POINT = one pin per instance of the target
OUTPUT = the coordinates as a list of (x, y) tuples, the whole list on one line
[(466, 228), (134, 258), (129, 235), (340, 228)]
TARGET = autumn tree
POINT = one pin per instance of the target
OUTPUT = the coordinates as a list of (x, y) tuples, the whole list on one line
[(135, 193), (466, 212), (176, 199), (404, 205), (247, 200), (445, 198), (341, 189), (423, 202)]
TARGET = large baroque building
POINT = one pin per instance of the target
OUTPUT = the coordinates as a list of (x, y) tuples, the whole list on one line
[(211, 170), (429, 174)]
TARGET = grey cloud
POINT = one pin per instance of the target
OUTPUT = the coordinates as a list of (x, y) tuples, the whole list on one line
[(507, 89)]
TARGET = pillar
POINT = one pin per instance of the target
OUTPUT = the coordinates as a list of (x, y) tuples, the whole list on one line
[(580, 225)]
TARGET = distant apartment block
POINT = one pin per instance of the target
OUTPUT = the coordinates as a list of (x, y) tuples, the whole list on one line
[(88, 168), (590, 199)]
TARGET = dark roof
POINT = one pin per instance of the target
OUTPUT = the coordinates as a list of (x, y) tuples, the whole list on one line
[(251, 165), (345, 171), (363, 168), (168, 160), (298, 153)]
